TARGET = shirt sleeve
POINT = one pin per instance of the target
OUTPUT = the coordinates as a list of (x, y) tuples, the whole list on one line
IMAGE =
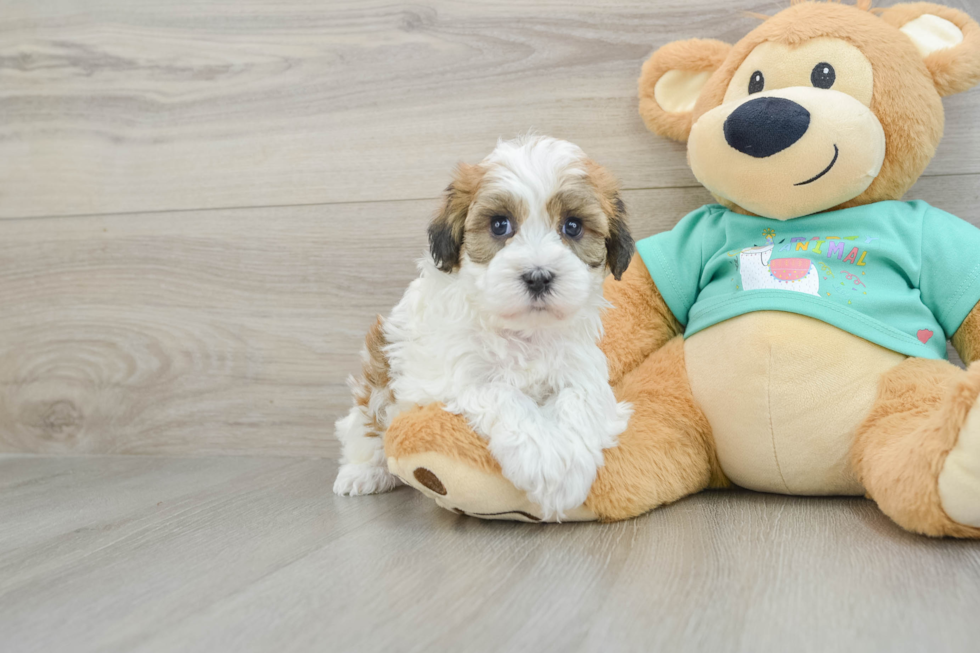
[(675, 260), (950, 268)]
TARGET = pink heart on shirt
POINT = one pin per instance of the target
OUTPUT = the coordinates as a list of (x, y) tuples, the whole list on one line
[(923, 335)]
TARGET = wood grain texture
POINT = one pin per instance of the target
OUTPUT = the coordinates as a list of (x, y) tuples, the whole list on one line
[(255, 554), (204, 205), (223, 331), (132, 325), (124, 106)]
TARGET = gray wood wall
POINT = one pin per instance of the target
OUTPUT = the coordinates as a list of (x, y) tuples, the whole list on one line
[(204, 205)]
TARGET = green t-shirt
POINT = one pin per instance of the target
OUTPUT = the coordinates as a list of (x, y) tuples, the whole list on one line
[(903, 275)]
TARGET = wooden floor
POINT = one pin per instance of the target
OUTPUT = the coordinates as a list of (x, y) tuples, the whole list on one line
[(203, 206), (107, 554)]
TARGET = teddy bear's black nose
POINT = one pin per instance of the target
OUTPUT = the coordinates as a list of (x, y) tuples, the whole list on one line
[(766, 125)]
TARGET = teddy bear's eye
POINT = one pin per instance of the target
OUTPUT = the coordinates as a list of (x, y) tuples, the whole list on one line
[(757, 82), (823, 75)]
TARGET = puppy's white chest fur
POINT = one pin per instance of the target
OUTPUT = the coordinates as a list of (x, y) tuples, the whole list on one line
[(532, 378), (533, 365)]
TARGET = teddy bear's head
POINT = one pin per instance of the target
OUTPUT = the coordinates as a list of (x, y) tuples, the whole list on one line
[(823, 106)]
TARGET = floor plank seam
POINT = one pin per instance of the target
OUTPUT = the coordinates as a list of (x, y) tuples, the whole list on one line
[(401, 200)]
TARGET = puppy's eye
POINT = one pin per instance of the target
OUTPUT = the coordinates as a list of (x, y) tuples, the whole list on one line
[(756, 82), (572, 228), (823, 75), (500, 226)]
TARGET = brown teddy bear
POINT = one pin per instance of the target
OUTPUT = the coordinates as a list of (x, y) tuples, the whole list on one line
[(791, 338)]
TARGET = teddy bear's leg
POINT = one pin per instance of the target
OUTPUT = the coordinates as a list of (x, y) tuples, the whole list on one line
[(437, 453), (918, 452), (665, 453)]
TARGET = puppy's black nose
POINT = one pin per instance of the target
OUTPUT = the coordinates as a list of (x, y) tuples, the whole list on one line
[(538, 281), (766, 125)]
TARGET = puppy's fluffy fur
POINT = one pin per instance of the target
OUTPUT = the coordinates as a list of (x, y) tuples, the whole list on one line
[(502, 324)]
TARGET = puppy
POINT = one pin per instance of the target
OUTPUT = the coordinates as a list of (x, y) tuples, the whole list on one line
[(502, 325)]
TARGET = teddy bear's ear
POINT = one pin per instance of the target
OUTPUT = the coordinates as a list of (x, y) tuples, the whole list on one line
[(671, 81), (947, 39)]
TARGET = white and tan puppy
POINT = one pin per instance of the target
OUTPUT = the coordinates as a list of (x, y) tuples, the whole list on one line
[(502, 325)]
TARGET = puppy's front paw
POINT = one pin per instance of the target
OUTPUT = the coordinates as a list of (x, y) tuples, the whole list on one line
[(559, 495), (557, 479), (355, 479), (556, 500), (617, 423)]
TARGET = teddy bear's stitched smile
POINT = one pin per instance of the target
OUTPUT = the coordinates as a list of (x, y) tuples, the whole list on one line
[(824, 171)]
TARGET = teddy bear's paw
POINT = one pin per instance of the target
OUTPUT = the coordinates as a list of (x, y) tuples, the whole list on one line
[(355, 479), (959, 481), (467, 490)]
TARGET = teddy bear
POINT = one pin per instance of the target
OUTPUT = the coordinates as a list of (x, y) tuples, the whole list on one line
[(792, 337)]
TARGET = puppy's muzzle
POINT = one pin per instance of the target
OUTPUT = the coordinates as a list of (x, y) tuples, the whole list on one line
[(538, 281)]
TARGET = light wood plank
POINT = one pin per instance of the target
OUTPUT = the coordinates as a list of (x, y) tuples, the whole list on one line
[(156, 538), (112, 491), (222, 331), (228, 331), (121, 106), (257, 555)]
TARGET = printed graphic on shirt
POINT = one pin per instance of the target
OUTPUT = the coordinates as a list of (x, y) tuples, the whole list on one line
[(760, 271)]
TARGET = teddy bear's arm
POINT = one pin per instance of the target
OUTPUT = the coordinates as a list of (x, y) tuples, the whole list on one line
[(966, 340), (638, 323)]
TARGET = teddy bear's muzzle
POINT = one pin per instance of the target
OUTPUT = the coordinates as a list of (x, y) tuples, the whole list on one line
[(788, 152)]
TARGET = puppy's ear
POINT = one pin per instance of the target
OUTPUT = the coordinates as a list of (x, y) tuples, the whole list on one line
[(619, 243), (671, 82), (947, 39), (446, 230)]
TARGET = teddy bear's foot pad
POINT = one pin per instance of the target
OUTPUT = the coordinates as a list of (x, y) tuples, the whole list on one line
[(959, 482), (465, 490)]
